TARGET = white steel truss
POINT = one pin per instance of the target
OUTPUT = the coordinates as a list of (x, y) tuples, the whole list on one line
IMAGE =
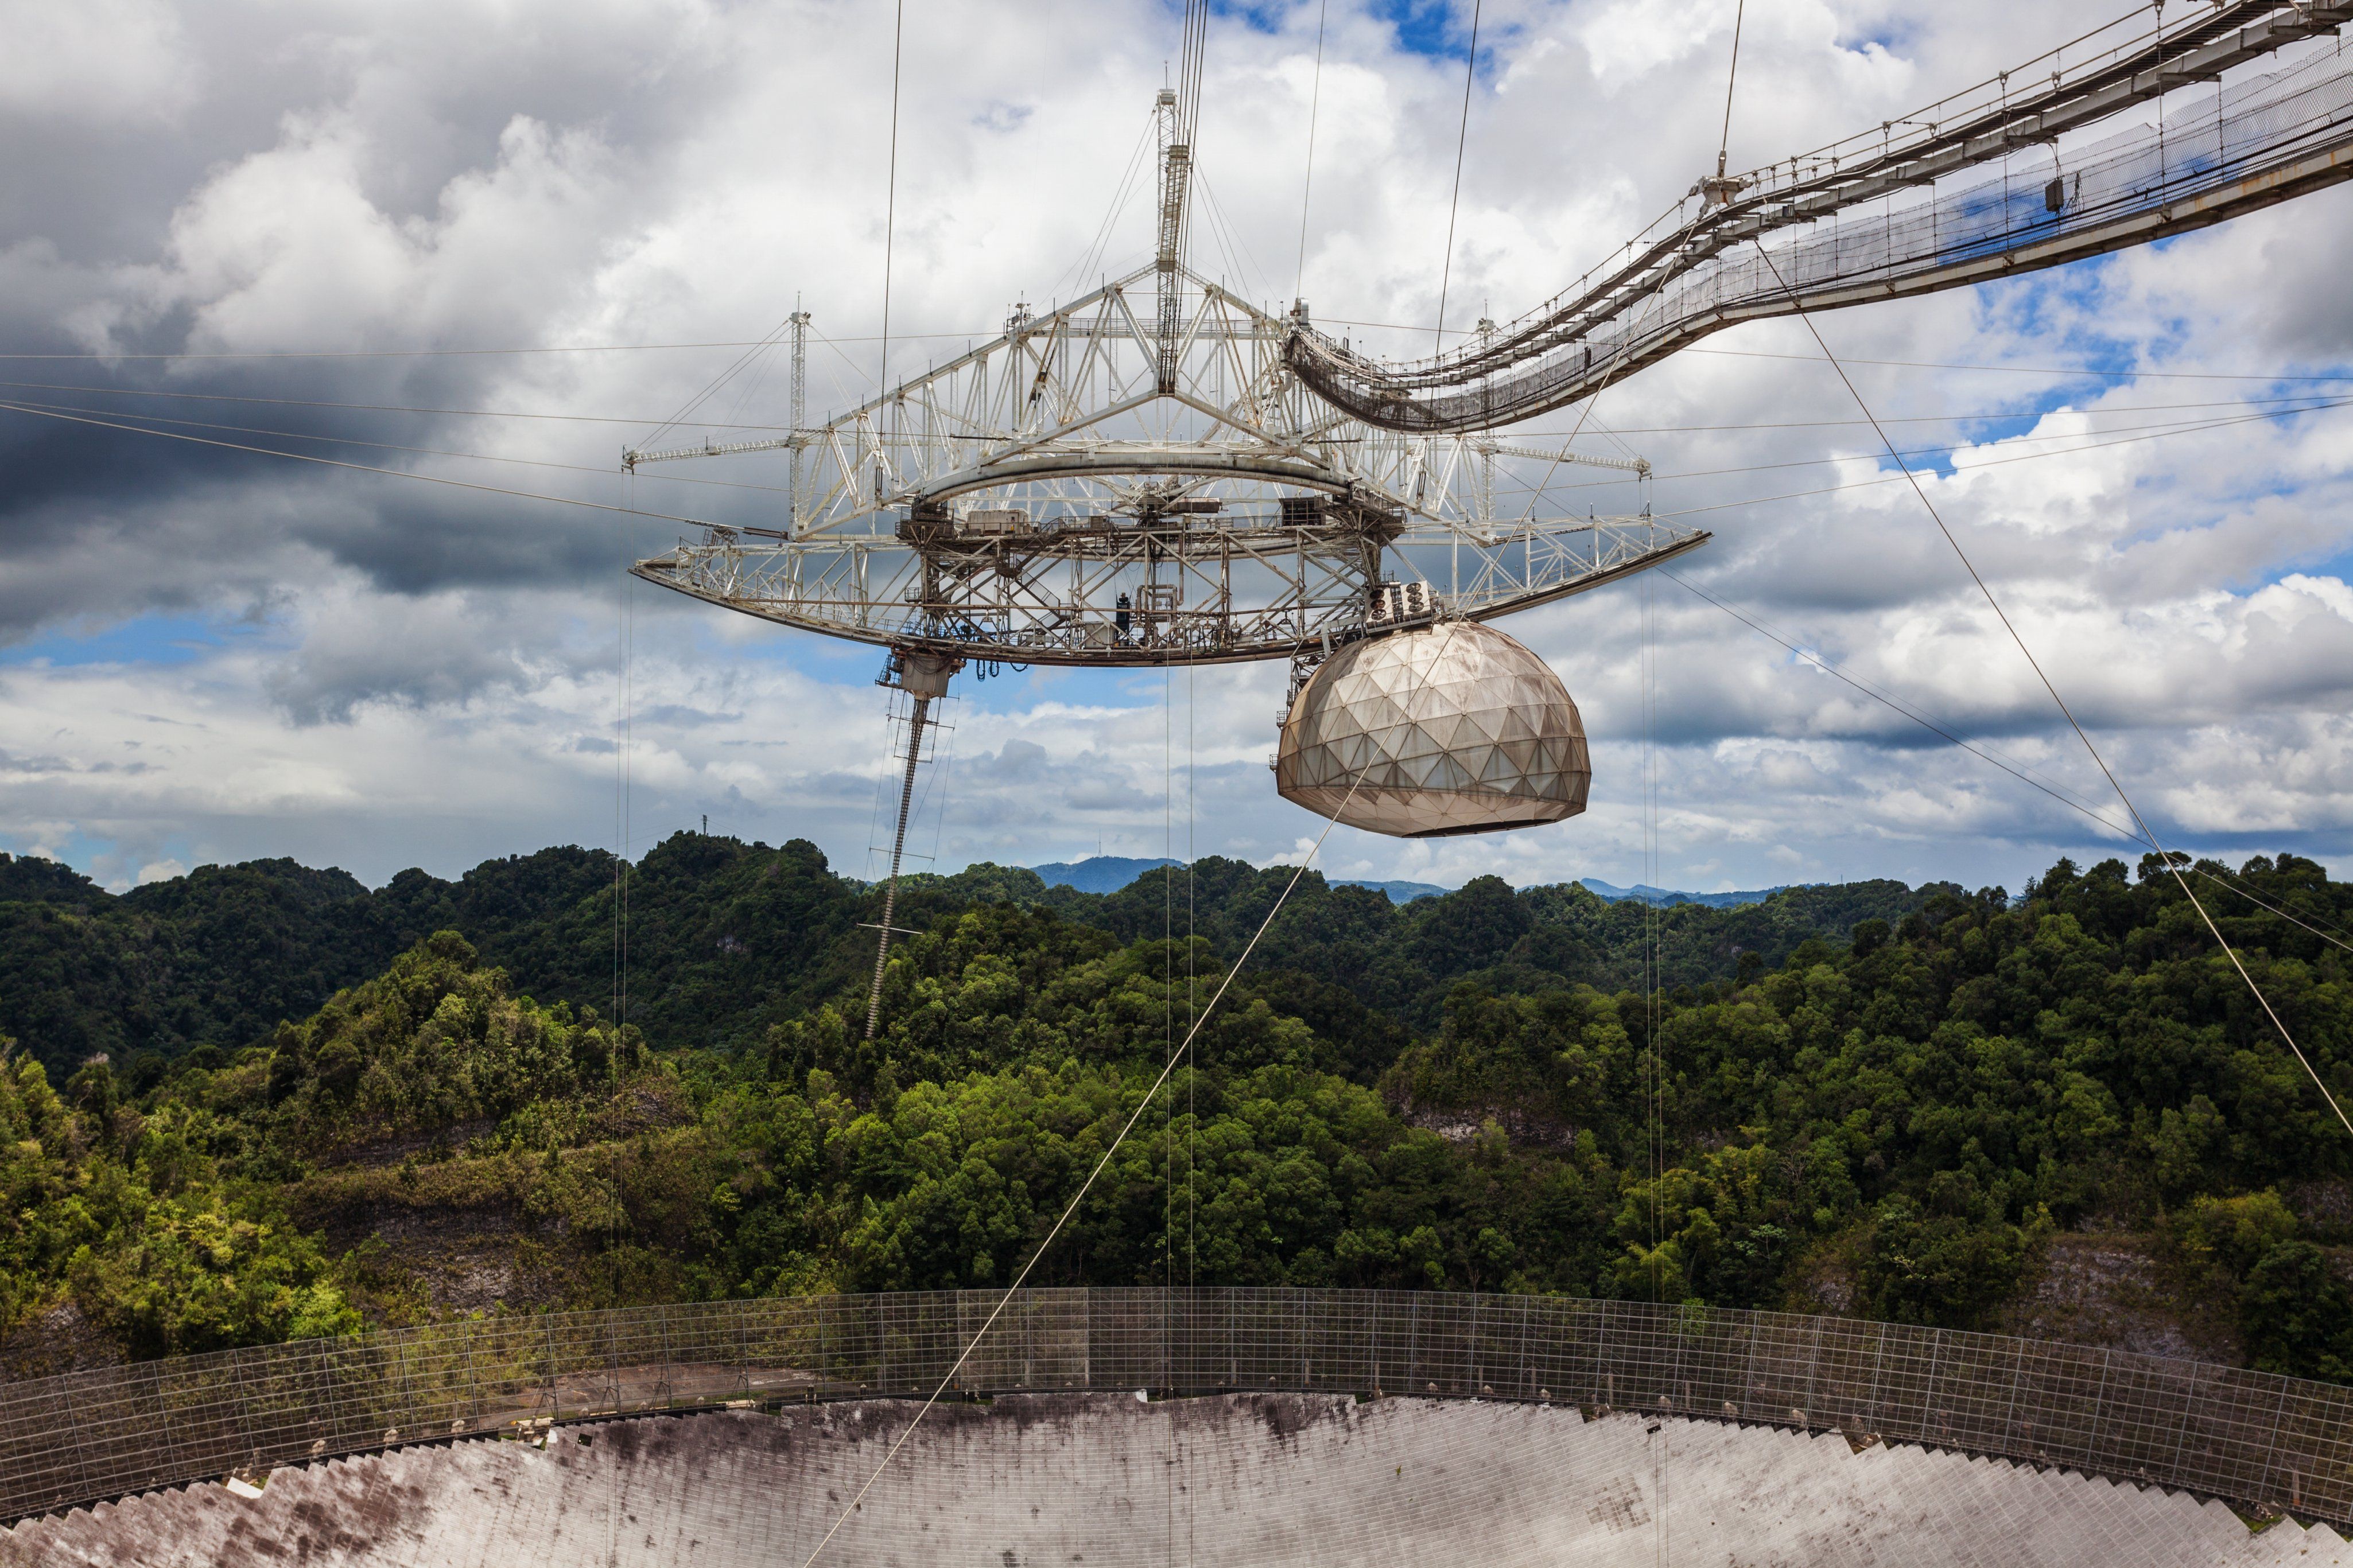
[(1116, 482)]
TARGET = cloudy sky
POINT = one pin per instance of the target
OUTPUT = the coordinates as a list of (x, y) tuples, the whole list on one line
[(275, 224)]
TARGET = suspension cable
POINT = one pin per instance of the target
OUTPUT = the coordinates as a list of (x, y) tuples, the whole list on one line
[(1168, 1070), (2050, 687), (2018, 771), (1461, 139), (1730, 79), (890, 198), (356, 467), (1307, 178)]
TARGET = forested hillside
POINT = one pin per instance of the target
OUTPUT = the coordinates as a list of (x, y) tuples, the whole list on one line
[(2061, 1113), (725, 938)]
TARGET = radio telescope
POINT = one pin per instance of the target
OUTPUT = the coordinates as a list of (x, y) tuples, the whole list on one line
[(1140, 477), (1161, 472)]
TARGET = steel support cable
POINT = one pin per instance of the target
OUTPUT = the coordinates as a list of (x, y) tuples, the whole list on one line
[(36, 411), (1121, 194), (1377, 392), (911, 337), (777, 333), (898, 847), (1462, 140), (1924, 720), (890, 200), (1584, 413), (1167, 959), (1653, 1019), (109, 357), (1183, 1051), (2015, 770), (388, 446), (2149, 46), (1192, 962), (2233, 887), (355, 407), (1222, 229), (2086, 371), (1898, 478), (759, 346), (2080, 734), (354, 467), (1731, 80), (2092, 440), (712, 388), (87, 389), (369, 408), (1307, 175), (1191, 49), (566, 500)]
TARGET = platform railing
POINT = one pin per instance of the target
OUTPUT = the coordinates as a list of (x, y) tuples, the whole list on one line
[(2252, 1438)]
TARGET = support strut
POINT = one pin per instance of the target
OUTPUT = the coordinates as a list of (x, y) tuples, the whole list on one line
[(898, 847), (924, 677)]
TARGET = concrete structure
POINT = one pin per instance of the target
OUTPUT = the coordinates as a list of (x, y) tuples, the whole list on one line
[(1111, 1481)]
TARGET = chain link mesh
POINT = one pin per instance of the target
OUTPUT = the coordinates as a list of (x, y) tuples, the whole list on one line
[(2248, 1436)]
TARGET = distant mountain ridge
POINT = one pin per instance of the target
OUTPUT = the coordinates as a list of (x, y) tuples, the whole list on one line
[(1398, 892), (1098, 873), (1111, 873), (726, 938), (1667, 899)]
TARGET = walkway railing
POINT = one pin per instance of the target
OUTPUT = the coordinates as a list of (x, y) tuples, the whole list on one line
[(2250, 1437)]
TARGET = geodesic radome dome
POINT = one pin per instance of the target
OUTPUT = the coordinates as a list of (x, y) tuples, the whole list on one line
[(1455, 728)]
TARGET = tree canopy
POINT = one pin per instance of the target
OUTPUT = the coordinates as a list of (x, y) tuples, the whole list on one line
[(1869, 1100)]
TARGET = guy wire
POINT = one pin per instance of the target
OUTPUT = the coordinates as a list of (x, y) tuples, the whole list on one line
[(2068, 713), (1461, 139), (890, 200), (1192, 1074), (1730, 79), (1307, 179), (1945, 731), (1103, 1161), (1168, 966), (1655, 1085)]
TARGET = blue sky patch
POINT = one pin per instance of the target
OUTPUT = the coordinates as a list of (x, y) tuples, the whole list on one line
[(153, 639)]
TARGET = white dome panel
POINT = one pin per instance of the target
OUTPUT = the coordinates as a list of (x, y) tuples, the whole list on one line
[(1452, 729)]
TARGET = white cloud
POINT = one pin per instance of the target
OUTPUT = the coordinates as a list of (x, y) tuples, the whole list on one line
[(435, 679), (95, 61)]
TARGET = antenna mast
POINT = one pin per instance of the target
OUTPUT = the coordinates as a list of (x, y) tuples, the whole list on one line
[(1176, 172), (800, 321)]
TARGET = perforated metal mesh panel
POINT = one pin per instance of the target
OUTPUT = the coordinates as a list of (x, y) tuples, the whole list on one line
[(2216, 1431)]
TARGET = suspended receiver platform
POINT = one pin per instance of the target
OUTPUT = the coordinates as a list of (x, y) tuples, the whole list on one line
[(1138, 477)]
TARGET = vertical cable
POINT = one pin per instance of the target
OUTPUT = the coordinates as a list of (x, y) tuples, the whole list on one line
[(891, 208), (622, 705), (1103, 1162), (1461, 139), (1169, 968), (1732, 79), (1192, 1072), (629, 762), (1192, 1067), (1307, 179), (1653, 1091)]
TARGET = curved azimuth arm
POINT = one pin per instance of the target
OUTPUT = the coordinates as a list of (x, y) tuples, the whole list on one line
[(2011, 176)]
